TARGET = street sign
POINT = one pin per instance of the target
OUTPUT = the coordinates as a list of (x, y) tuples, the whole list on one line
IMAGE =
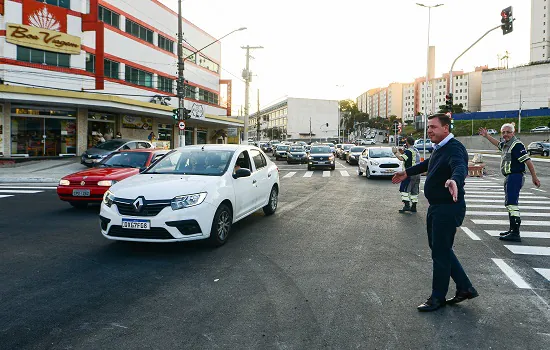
[(181, 125)]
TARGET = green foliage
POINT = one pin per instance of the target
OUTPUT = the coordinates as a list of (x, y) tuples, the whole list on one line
[(464, 127), (459, 108)]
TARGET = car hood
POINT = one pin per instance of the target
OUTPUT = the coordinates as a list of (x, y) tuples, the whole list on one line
[(298, 153), (94, 150), (164, 186), (386, 160), (356, 153), (97, 174), (316, 155)]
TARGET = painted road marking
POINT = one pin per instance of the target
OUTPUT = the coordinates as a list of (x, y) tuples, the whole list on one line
[(344, 173), (507, 222), (528, 250), (28, 187), (503, 213), (471, 234), (308, 174), (525, 234), (544, 272), (480, 200), (502, 196), (521, 207), (18, 191), (6, 195), (291, 174), (326, 173), (538, 189), (511, 274)]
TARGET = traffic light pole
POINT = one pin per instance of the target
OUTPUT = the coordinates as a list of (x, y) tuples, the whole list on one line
[(180, 83)]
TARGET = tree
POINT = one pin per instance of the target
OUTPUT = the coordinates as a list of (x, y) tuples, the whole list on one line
[(457, 108)]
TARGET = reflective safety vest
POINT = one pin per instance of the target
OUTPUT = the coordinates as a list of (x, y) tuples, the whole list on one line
[(506, 160), (415, 156)]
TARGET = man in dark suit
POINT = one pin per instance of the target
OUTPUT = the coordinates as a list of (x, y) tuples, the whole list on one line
[(444, 188)]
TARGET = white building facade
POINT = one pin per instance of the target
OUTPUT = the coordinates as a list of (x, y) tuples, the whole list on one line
[(295, 118), (111, 69), (540, 30)]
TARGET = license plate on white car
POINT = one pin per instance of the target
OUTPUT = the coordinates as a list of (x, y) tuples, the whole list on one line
[(81, 193), (136, 224), (389, 171)]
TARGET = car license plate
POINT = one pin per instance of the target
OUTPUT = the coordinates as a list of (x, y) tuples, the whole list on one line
[(390, 171), (81, 193), (88, 161), (136, 224)]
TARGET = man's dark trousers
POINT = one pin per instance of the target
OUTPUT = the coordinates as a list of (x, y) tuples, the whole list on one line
[(441, 223)]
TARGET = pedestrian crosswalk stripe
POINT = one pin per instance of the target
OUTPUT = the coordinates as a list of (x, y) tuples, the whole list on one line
[(291, 174), (326, 173), (503, 213), (483, 200), (529, 250), (308, 174), (482, 186), (6, 195), (18, 191), (538, 189), (524, 234), (471, 234), (511, 274), (507, 222), (27, 187), (344, 173), (502, 196), (499, 192), (544, 272), (495, 206)]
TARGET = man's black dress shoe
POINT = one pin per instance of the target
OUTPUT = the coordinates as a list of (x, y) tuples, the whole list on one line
[(463, 295), (431, 304)]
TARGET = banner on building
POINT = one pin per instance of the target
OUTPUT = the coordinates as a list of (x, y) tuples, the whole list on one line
[(132, 122), (42, 39)]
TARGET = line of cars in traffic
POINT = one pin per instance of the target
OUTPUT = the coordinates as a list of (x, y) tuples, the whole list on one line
[(157, 195)]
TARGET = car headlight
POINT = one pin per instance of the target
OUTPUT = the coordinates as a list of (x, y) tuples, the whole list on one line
[(187, 201), (107, 183), (372, 162), (352, 156), (64, 182), (108, 198), (310, 158), (331, 158)]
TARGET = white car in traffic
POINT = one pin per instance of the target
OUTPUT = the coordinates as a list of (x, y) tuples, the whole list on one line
[(192, 193), (378, 161)]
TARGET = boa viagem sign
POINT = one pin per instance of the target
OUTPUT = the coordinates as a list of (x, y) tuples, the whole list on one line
[(41, 15), (42, 39)]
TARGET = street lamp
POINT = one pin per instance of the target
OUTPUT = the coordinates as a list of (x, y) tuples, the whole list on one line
[(427, 74)]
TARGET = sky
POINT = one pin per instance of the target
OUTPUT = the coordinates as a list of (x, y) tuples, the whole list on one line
[(340, 49)]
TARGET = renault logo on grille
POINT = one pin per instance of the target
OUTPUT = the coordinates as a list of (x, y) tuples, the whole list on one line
[(138, 204), (82, 183)]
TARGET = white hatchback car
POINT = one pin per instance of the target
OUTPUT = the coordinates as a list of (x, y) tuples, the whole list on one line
[(378, 161), (192, 193)]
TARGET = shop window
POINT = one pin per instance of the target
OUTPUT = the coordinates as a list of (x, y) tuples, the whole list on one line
[(165, 132), (61, 3), (109, 17), (165, 84), (201, 137), (138, 77), (26, 54), (139, 31), (166, 44)]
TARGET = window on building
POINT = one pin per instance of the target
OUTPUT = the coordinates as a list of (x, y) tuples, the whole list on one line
[(166, 44), (43, 57), (61, 3), (189, 55), (138, 76), (190, 91), (110, 67), (90, 62), (109, 17), (139, 31), (165, 84), (208, 64)]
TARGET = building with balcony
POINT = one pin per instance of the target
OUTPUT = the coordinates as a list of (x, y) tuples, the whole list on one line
[(72, 69)]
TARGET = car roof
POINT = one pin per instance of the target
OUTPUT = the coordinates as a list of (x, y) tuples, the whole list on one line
[(220, 147), (147, 150)]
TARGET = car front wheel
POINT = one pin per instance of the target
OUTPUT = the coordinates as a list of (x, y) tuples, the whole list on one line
[(546, 154), (368, 173), (271, 206), (221, 226)]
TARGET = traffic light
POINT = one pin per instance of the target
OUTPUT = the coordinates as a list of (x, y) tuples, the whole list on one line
[(186, 113), (175, 114), (507, 20), (449, 102), (452, 123)]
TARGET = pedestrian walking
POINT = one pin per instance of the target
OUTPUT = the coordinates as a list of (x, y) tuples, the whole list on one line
[(512, 165), (118, 135), (410, 187), (444, 189)]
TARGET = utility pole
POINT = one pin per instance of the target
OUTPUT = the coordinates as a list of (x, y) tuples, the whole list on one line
[(247, 76), (180, 83), (519, 112), (310, 130)]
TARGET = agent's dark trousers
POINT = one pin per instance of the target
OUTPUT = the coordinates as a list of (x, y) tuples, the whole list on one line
[(441, 223)]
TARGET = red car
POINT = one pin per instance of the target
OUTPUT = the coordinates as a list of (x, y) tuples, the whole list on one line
[(88, 186)]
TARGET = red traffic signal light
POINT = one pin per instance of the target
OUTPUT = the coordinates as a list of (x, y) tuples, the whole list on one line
[(507, 20)]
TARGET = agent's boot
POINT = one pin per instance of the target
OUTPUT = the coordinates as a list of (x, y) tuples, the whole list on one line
[(513, 236), (413, 208), (406, 207), (510, 229)]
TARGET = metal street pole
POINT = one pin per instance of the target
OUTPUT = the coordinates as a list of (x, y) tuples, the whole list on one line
[(519, 112), (180, 83), (247, 77), (427, 74)]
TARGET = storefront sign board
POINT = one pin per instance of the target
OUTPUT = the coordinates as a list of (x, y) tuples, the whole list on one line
[(42, 39)]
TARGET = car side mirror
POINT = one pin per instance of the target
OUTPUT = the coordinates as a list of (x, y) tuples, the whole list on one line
[(242, 172)]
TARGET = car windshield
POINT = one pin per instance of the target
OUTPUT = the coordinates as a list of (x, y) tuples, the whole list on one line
[(381, 153), (282, 148), (195, 161), (296, 149), (110, 145), (320, 149), (346, 147), (357, 149), (546, 144), (126, 160)]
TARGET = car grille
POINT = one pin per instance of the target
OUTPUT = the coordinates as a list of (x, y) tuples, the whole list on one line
[(148, 209), (86, 183), (389, 165), (153, 233)]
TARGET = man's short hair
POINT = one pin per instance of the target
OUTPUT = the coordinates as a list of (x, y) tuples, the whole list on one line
[(410, 140), (444, 119), (508, 125)]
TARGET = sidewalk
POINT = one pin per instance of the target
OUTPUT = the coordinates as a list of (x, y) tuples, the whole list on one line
[(39, 171)]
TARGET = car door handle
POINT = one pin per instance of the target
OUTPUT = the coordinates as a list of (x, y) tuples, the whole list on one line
[(269, 175), (254, 182)]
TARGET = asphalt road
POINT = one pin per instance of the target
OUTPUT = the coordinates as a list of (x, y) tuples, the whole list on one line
[(336, 267)]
